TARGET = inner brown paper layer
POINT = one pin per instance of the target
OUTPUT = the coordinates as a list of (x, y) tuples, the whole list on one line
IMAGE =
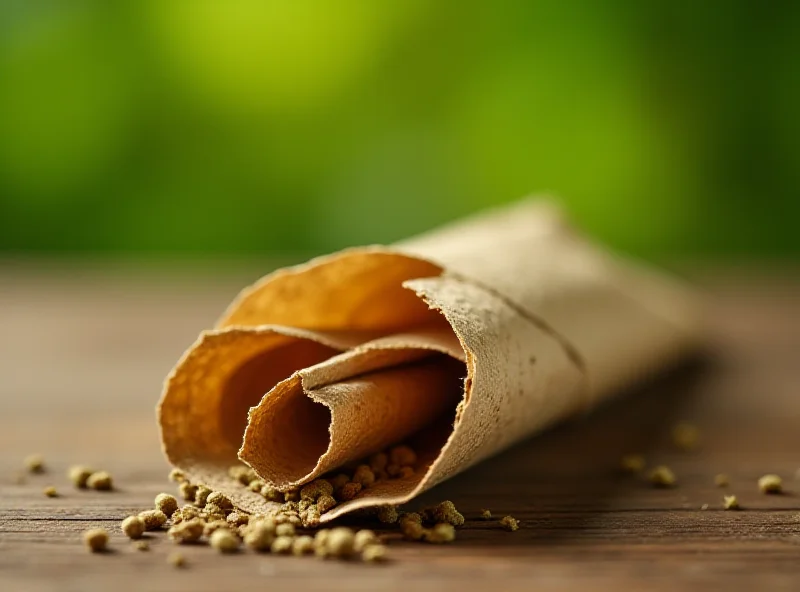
[(462, 341)]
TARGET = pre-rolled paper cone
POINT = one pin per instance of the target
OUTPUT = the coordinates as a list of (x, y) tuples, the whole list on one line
[(364, 415)]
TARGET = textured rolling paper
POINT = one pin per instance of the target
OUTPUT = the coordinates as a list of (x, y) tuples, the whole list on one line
[(461, 341)]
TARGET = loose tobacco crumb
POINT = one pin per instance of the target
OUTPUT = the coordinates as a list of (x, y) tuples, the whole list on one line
[(633, 463), (256, 485), (188, 531), (153, 519), (96, 539), (486, 514), (721, 480), (685, 436), (411, 526), (50, 491), (704, 507), (374, 553), (185, 513), (509, 523), (271, 494), (224, 541), (238, 518), (177, 476), (730, 502), (101, 481), (166, 503), (303, 545), (282, 545), (320, 543), (340, 542), (770, 484), (242, 474), (211, 527), (285, 529), (133, 527), (363, 538), (213, 512), (142, 546), (34, 463), (79, 475), (662, 476), (176, 559), (387, 514), (443, 533), (338, 482)]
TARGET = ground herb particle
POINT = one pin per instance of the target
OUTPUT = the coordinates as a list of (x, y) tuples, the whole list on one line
[(730, 502), (721, 480), (79, 475), (363, 538), (770, 484), (387, 514), (177, 476), (224, 541), (285, 529), (486, 514), (349, 491), (315, 489), (282, 545), (509, 523), (142, 546), (411, 526), (238, 518), (176, 560), (166, 503), (188, 531), (444, 512), (402, 455), (258, 536), (100, 481), (34, 463), (201, 495), (325, 503), (704, 507), (303, 545), (685, 436), (187, 491), (153, 519), (441, 533), (340, 542), (374, 553), (256, 485), (219, 499), (133, 527), (364, 476), (662, 476), (213, 526), (633, 463), (50, 491), (96, 539), (271, 494)]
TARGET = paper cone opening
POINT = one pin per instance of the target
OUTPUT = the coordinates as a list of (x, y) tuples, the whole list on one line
[(296, 434)]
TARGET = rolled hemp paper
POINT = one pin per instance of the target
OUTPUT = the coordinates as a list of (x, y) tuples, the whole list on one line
[(460, 342)]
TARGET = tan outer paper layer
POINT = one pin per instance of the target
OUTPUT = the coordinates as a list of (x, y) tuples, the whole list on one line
[(546, 323)]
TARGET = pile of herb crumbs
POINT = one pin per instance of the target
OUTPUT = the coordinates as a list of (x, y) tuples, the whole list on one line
[(209, 517)]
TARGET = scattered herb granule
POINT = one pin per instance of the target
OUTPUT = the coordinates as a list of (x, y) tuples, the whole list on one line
[(633, 463), (303, 545), (662, 476), (50, 491), (188, 531), (177, 476), (721, 480), (363, 538), (770, 484), (486, 514), (340, 542), (282, 545), (685, 436), (509, 523), (176, 559), (224, 541), (374, 553), (166, 503), (142, 546), (441, 533), (79, 475), (34, 463), (258, 536), (153, 519), (730, 502), (96, 539), (101, 481), (387, 514), (133, 527)]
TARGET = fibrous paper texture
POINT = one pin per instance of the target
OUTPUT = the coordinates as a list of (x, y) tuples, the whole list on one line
[(461, 342)]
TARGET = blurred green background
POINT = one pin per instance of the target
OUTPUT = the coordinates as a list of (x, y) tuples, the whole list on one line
[(199, 127)]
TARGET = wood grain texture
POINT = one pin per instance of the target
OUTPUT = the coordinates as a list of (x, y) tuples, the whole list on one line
[(82, 356)]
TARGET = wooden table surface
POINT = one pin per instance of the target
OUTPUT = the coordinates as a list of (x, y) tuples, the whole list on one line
[(83, 353)]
